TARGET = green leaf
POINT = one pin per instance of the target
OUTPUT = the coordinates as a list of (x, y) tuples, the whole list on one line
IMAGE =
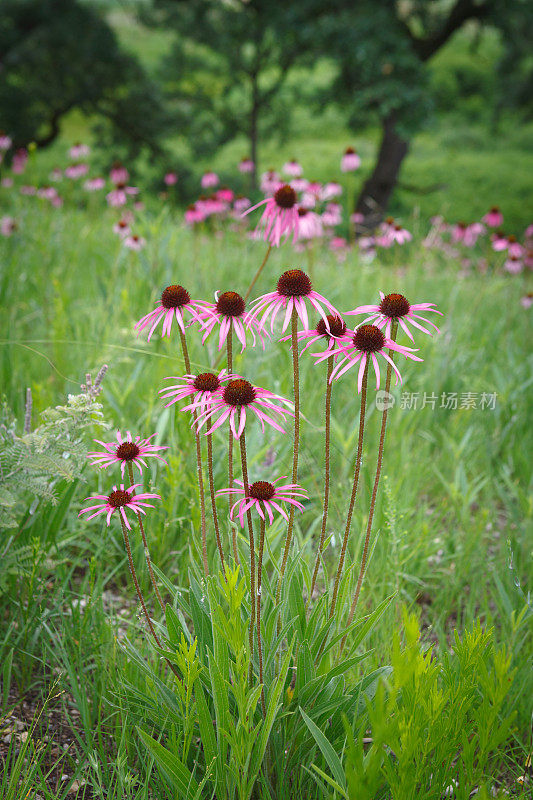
[(305, 668), (180, 776), (173, 626), (332, 759)]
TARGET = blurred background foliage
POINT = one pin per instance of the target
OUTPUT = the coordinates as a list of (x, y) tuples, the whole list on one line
[(175, 81)]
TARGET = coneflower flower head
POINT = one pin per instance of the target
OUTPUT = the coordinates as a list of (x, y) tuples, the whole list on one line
[(175, 300), (200, 388), (294, 288), (126, 450), (229, 312), (119, 500), (396, 307), (366, 342), (280, 216), (233, 401), (331, 335), (264, 496)]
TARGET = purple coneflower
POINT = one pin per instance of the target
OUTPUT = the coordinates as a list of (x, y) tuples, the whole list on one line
[(134, 242), (280, 216), (122, 228), (293, 289), (350, 160), (293, 169), (5, 141), (209, 179), (119, 173), (265, 497), (335, 332), (175, 300), (119, 500), (229, 312), (246, 165), (368, 341), (309, 224), (234, 400), (126, 451), (396, 307), (493, 218), (198, 387), (94, 184), (79, 150)]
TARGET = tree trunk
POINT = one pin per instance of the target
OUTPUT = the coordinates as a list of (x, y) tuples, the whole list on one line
[(378, 188)]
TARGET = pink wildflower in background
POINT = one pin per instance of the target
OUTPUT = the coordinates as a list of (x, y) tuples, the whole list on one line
[(309, 224), (119, 500), (126, 451), (170, 179), (240, 205), (292, 168), (265, 497), (209, 179), (270, 181), (514, 265), (350, 160), (56, 175), (194, 215), (118, 196), (94, 184), (19, 162), (134, 242), (75, 171), (8, 226), (79, 150), (5, 141), (28, 191), (119, 173), (527, 300), (330, 190), (280, 216), (122, 228), (7, 183), (225, 194), (246, 165), (494, 218), (332, 215)]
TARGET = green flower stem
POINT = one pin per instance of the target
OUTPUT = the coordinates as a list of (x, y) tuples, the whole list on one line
[(198, 461)]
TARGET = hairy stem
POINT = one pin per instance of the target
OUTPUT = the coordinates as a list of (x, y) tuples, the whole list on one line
[(146, 550), (213, 499), (258, 273), (258, 616), (357, 470), (136, 582), (198, 460), (374, 492), (296, 380), (229, 362), (327, 415), (244, 465)]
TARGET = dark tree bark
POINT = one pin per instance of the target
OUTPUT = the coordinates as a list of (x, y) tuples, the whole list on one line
[(378, 188)]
